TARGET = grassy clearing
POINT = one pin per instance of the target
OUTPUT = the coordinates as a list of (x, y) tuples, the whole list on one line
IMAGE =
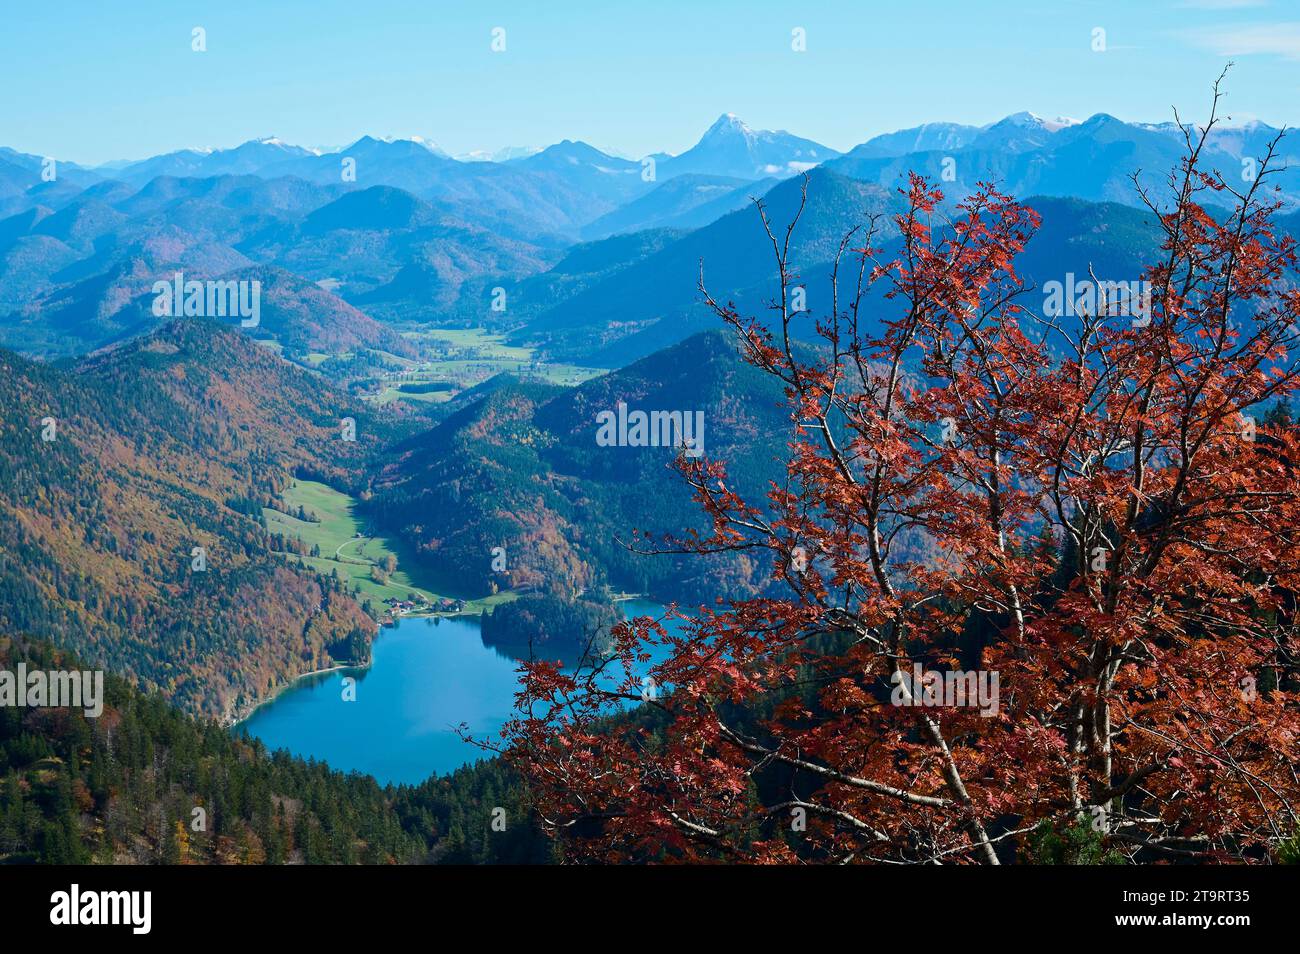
[(396, 359), (464, 357), (461, 358), (569, 375), (348, 548), (314, 359), (487, 345), (390, 394)]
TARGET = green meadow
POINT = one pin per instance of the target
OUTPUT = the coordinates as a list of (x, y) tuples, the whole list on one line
[(464, 357), (347, 548)]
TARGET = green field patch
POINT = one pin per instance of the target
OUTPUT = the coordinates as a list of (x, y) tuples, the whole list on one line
[(349, 548), (485, 344), (460, 358), (390, 394)]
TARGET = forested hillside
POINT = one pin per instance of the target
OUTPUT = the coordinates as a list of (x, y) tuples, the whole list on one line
[(146, 784), (520, 469), (131, 488)]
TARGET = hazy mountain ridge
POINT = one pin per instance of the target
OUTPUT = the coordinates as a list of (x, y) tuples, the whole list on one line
[(1094, 159), (632, 310), (655, 302), (75, 279), (421, 237)]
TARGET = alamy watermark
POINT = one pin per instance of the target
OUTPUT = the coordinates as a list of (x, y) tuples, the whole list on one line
[(1105, 298), (624, 428), (209, 299), (96, 908), (935, 688), (58, 688)]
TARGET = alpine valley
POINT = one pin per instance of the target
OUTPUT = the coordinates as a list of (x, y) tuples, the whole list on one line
[(226, 515)]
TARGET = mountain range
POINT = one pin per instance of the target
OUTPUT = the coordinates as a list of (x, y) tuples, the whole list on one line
[(417, 236), (471, 317)]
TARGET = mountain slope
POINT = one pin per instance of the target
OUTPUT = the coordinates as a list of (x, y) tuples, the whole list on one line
[(303, 317), (730, 148), (558, 193), (122, 788), (583, 266), (924, 138), (655, 302), (1027, 155), (652, 300), (250, 157), (604, 177), (520, 469), (687, 201), (109, 306), (165, 444), (361, 243)]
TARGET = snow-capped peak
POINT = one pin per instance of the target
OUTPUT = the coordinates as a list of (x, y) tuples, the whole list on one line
[(418, 140), (728, 123), (1059, 123), (1034, 121), (504, 154)]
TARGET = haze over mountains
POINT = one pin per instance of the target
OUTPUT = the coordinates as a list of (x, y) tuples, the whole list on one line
[(392, 231), (464, 319)]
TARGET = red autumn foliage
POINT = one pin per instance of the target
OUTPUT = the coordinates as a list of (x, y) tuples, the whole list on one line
[(1110, 533)]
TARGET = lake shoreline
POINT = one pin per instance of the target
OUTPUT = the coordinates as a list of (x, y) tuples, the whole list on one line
[(431, 684), (245, 712)]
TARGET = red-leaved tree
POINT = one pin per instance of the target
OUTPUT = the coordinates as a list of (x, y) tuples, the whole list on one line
[(1087, 511)]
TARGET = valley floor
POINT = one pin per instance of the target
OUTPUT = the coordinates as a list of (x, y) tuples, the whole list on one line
[(351, 550)]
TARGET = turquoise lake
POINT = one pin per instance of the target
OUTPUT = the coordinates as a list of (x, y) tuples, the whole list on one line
[(425, 678)]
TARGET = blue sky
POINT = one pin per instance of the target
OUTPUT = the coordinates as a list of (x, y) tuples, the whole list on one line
[(92, 80)]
